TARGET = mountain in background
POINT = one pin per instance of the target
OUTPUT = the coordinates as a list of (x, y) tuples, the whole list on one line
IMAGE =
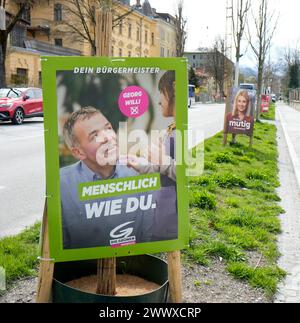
[(248, 72)]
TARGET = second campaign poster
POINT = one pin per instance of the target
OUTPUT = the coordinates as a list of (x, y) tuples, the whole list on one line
[(114, 182), (239, 116)]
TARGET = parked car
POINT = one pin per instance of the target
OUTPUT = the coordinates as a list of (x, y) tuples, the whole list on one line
[(16, 104)]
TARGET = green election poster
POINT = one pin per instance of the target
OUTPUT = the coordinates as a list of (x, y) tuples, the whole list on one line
[(116, 179)]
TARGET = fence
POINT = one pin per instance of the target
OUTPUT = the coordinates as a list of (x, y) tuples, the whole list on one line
[(294, 98)]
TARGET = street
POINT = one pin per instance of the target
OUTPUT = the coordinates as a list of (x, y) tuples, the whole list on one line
[(22, 166), (208, 118), (22, 175)]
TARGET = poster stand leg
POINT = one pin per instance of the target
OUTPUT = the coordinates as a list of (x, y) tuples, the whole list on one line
[(175, 282), (44, 287), (225, 137), (251, 142), (234, 136), (107, 277), (107, 270)]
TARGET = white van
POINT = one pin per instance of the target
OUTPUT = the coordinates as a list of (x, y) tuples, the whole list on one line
[(249, 87)]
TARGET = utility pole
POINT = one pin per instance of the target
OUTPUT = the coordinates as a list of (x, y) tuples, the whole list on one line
[(228, 30)]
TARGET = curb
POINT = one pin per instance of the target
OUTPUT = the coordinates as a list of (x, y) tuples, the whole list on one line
[(292, 152)]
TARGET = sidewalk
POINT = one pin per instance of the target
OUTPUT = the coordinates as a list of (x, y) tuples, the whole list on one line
[(288, 124)]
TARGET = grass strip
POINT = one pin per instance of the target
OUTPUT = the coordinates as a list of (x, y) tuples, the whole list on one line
[(269, 115), (18, 254), (234, 208)]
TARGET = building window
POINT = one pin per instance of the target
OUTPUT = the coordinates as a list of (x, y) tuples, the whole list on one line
[(22, 72), (162, 52), (146, 37), (18, 36), (194, 56), (129, 30), (168, 53), (26, 14), (138, 34), (58, 42), (120, 52), (112, 51), (129, 53), (152, 39), (21, 78), (57, 12)]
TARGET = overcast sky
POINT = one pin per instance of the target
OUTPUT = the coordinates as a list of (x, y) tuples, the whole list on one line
[(207, 19)]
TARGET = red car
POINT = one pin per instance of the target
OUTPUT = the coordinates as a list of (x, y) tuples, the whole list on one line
[(16, 104)]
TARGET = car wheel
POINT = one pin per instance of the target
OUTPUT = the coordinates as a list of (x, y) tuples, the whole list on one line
[(18, 117)]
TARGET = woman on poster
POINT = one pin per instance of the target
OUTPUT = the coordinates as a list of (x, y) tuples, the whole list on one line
[(166, 219), (239, 121)]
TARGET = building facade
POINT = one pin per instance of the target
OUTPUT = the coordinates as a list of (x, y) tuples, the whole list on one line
[(47, 28), (207, 63), (166, 32), (134, 35)]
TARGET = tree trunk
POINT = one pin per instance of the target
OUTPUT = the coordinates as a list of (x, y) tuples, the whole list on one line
[(259, 90), (237, 73), (3, 42)]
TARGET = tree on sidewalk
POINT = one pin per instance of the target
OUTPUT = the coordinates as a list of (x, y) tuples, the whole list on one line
[(294, 76), (265, 25), (81, 19), (193, 79), (218, 66), (180, 25), (289, 62), (11, 21), (239, 17)]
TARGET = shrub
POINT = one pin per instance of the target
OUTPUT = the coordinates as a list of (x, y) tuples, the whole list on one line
[(272, 197), (224, 158), (233, 202), (210, 166), (227, 252), (238, 152), (203, 200), (265, 277), (254, 174), (229, 180), (245, 159)]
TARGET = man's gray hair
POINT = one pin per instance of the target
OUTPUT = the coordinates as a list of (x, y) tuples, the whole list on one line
[(68, 130)]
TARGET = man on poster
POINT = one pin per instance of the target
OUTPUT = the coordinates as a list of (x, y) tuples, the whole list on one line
[(93, 142)]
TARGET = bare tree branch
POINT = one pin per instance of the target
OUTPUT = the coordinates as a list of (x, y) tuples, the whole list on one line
[(265, 26), (181, 35), (239, 17)]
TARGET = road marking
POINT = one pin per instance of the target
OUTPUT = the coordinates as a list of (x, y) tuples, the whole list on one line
[(293, 155)]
